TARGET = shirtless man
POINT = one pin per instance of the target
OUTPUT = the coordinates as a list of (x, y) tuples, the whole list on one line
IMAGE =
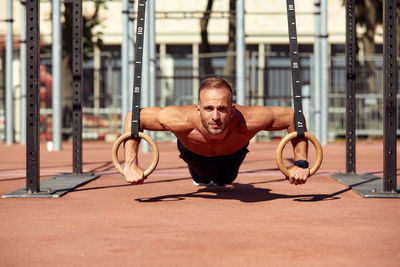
[(214, 134)]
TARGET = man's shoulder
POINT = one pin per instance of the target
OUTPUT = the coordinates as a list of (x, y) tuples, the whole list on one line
[(179, 112), (253, 117), (249, 112), (178, 118)]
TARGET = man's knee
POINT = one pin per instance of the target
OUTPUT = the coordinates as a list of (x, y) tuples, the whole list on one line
[(199, 178)]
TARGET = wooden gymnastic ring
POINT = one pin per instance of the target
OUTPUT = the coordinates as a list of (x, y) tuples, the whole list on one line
[(286, 139), (127, 136)]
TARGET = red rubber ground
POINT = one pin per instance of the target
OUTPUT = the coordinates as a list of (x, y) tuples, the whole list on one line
[(261, 220)]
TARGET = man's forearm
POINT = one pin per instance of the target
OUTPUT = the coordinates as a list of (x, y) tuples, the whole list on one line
[(300, 147), (131, 151)]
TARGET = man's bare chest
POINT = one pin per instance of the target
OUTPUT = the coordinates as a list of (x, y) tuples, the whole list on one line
[(210, 147)]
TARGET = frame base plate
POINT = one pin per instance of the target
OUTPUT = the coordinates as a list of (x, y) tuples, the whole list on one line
[(367, 185), (54, 187)]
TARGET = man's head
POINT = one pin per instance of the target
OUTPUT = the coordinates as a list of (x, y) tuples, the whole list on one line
[(215, 105)]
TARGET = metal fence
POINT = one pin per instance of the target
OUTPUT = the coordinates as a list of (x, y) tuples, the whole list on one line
[(175, 87), (369, 88)]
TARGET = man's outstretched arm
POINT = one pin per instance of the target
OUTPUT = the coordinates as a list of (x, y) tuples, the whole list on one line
[(153, 119), (149, 118), (283, 118)]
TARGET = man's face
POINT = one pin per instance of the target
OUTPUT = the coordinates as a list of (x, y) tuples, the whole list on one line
[(215, 109)]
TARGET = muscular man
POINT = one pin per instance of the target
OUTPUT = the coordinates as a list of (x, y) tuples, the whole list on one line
[(214, 134)]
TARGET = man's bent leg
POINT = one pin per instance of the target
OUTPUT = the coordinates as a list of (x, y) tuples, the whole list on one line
[(199, 180), (220, 169), (228, 167), (197, 165)]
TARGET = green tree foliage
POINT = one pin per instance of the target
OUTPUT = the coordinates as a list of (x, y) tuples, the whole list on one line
[(206, 67), (369, 14), (90, 37)]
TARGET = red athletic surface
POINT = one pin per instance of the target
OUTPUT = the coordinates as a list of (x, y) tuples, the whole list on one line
[(261, 220)]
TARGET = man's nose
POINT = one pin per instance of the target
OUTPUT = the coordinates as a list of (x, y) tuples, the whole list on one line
[(216, 115)]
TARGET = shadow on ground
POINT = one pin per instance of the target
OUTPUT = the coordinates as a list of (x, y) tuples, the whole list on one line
[(247, 193)]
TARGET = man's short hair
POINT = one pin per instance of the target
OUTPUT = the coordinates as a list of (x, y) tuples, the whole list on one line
[(215, 83)]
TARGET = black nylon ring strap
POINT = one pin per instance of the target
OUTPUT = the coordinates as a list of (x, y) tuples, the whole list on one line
[(295, 69), (137, 84)]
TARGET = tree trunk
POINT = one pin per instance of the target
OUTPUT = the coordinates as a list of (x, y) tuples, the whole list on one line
[(206, 68), (368, 110), (230, 66), (369, 44)]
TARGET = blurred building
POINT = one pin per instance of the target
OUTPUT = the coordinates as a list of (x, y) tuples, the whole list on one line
[(177, 39)]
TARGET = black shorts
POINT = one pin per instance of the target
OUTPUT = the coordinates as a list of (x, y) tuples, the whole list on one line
[(220, 169)]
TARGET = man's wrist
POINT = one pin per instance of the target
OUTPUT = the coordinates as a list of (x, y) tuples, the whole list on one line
[(301, 164)]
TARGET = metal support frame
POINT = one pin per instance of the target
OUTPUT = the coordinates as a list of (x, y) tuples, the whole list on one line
[(390, 95), (32, 99), (77, 85), (351, 44), (370, 186), (60, 184)]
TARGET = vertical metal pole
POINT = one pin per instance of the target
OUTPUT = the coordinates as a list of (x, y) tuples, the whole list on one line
[(163, 82), (56, 71), (22, 56), (77, 85), (240, 53), (247, 70), (261, 69), (195, 71), (9, 74), (131, 53), (152, 57), (305, 95), (390, 97), (324, 73), (96, 78), (317, 72), (33, 97), (152, 53), (124, 61), (145, 72), (350, 87), (253, 71)]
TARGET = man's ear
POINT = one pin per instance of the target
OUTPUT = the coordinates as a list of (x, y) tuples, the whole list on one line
[(198, 108), (233, 110)]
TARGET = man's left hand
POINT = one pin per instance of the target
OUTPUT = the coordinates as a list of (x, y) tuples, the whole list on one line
[(298, 175)]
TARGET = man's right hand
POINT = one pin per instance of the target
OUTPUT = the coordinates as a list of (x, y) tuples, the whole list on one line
[(133, 173)]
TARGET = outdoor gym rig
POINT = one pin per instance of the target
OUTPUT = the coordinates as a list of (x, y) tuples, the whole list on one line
[(366, 185), (60, 184), (369, 185)]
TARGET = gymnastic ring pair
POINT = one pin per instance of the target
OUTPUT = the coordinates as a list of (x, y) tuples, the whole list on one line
[(278, 154)]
